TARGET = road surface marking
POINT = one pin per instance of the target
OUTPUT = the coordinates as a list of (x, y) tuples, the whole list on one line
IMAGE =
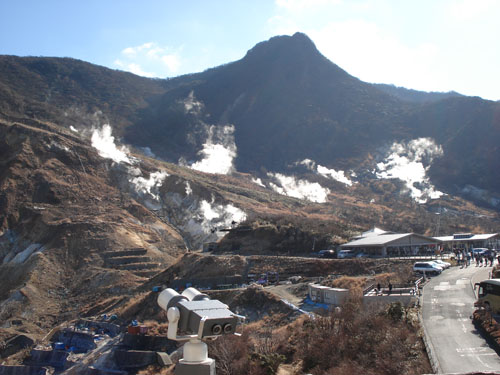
[(436, 317), (473, 350)]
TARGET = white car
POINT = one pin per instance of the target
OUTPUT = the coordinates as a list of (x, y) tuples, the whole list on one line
[(342, 254), (427, 267), (442, 263)]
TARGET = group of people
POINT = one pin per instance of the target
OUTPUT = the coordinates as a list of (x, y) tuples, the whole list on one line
[(464, 258)]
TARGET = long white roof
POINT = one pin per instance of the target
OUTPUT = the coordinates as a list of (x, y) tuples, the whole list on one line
[(374, 232), (385, 239), (474, 237)]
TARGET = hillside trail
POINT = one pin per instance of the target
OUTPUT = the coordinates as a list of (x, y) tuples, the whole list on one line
[(286, 292)]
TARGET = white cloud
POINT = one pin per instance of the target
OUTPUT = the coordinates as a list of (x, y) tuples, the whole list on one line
[(300, 5), (150, 60), (132, 51), (133, 68), (371, 54), (383, 41), (465, 10), (137, 69), (172, 62), (129, 51)]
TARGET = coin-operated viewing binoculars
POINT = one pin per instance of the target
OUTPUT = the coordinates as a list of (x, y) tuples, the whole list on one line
[(198, 318)]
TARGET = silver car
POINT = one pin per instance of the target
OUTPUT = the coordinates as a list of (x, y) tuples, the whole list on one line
[(427, 267)]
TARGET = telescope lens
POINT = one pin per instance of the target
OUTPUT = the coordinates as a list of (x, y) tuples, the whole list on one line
[(217, 329), (228, 328)]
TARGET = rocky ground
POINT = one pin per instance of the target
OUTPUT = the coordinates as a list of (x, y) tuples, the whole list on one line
[(83, 235)]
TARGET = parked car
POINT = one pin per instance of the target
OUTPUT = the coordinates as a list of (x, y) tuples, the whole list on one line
[(362, 255), (479, 251), (342, 254), (443, 264), (427, 267), (326, 254), (435, 264)]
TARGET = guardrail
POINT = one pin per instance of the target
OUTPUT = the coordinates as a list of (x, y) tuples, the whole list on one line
[(366, 290), (429, 348)]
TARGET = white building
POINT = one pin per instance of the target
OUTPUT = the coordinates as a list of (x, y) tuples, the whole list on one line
[(377, 242), (469, 240)]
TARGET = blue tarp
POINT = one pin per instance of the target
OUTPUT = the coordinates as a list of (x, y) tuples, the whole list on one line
[(316, 304)]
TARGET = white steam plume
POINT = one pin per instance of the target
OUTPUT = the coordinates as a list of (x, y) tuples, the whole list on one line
[(410, 162), (258, 181), (326, 172), (301, 189), (189, 191), (218, 151), (104, 142), (192, 105), (151, 185), (205, 218)]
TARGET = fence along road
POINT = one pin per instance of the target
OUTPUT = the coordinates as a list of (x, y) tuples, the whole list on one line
[(447, 307)]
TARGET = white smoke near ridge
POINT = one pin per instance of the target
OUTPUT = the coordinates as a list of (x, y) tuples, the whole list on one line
[(336, 175), (104, 142), (326, 172), (189, 191), (151, 185), (203, 219), (192, 105), (148, 188), (198, 218), (218, 151), (406, 162), (301, 189), (258, 181)]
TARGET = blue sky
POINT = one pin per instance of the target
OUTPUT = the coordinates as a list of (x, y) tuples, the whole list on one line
[(431, 45)]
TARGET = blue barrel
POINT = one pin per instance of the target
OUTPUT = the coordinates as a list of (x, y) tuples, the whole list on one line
[(59, 346)]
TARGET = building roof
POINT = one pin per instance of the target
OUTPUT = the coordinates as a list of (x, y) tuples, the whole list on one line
[(386, 239), (324, 287), (462, 238), (372, 232)]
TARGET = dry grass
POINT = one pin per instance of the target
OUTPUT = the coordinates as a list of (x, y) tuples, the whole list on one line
[(350, 341)]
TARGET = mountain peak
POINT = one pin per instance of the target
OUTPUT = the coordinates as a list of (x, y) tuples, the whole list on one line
[(285, 45)]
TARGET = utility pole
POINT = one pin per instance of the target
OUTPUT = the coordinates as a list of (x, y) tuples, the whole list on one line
[(439, 220)]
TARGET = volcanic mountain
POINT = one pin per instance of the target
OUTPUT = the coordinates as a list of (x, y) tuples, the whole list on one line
[(309, 155), (283, 103)]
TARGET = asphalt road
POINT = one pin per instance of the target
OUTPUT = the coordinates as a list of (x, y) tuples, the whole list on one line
[(447, 307)]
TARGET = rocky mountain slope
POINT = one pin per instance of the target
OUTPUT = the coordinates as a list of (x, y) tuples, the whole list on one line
[(281, 104), (281, 152), (78, 227)]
